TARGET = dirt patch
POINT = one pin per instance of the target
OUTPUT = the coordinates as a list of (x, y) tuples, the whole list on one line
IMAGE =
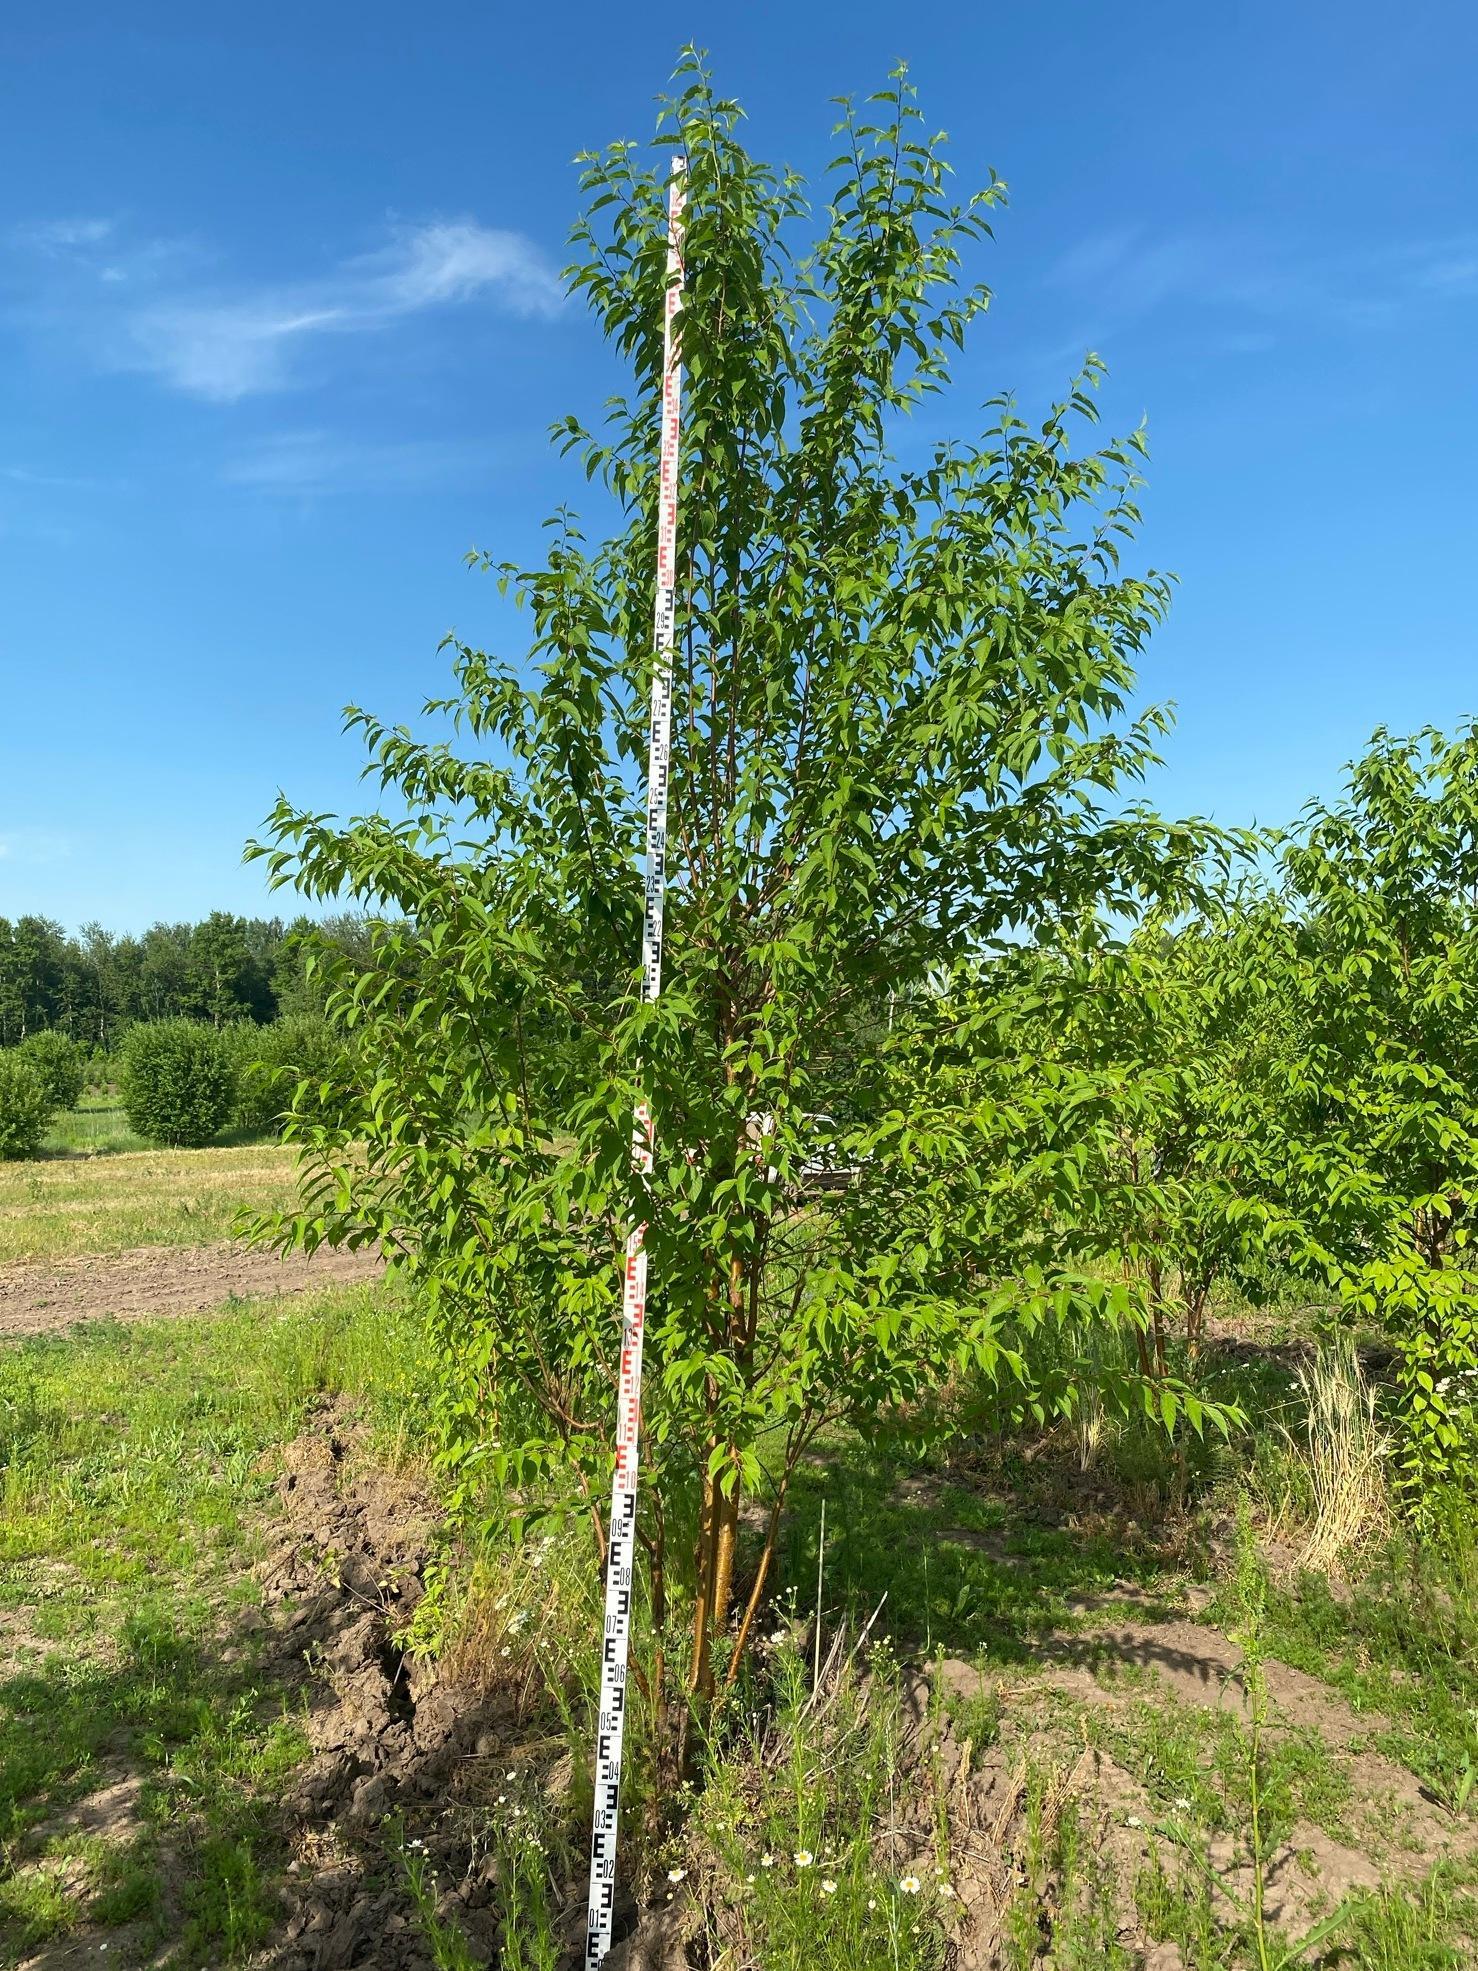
[(1005, 1803), (403, 1762), (1199, 1666), (155, 1281)]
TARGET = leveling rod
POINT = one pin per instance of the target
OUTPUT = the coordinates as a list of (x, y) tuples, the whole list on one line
[(621, 1541)]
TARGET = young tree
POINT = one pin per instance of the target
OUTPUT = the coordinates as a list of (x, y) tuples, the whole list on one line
[(26, 1107), (61, 1064), (1376, 1146), (899, 744)]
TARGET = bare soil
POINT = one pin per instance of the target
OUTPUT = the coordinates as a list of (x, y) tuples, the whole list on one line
[(155, 1282)]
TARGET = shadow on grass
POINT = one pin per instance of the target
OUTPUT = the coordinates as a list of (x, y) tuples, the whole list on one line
[(962, 1570), (135, 1791)]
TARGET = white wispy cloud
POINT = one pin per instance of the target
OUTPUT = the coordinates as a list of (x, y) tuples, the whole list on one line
[(1125, 273), (34, 845), (308, 462), (141, 304), (63, 235)]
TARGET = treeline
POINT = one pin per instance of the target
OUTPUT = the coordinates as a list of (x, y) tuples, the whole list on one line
[(95, 985)]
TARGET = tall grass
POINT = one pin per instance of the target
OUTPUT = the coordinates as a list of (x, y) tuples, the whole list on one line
[(1345, 1455)]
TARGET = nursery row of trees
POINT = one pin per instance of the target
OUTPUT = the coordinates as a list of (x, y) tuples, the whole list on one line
[(182, 1082), (93, 986), (1082, 1063)]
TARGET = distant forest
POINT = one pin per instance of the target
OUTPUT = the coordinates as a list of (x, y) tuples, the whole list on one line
[(94, 985)]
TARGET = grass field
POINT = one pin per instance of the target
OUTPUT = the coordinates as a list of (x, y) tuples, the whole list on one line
[(137, 1468), (149, 1733), (1049, 1725), (98, 1126), (58, 1207)]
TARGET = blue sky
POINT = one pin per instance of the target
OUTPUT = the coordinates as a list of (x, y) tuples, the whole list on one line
[(281, 335)]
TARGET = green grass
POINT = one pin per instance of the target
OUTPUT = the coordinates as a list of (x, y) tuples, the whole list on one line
[(136, 1465), (60, 1207), (797, 1835), (136, 1468), (960, 1569), (1400, 1644), (95, 1127), (98, 1126)]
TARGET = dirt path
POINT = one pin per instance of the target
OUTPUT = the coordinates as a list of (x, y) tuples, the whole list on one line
[(152, 1281)]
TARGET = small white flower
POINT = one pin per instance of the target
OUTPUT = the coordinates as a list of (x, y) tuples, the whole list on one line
[(505, 1651), (909, 1884), (803, 1858), (749, 1878), (510, 1775), (946, 1889), (502, 1799), (1133, 1820), (676, 1874), (872, 1902), (1183, 1804), (418, 1844), (767, 1861), (828, 1888)]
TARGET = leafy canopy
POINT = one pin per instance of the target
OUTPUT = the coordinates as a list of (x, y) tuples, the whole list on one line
[(900, 745), (178, 1081)]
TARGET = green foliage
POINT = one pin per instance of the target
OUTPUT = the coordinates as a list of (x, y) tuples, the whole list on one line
[(93, 986), (61, 1063), (279, 1068), (901, 747), (178, 1082), (1376, 1142), (25, 1105)]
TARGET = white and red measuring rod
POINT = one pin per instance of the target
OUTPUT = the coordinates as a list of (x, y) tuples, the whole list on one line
[(621, 1545)]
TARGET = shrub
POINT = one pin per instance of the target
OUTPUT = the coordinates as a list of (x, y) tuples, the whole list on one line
[(101, 1071), (178, 1082), (271, 1061), (25, 1105), (61, 1064)]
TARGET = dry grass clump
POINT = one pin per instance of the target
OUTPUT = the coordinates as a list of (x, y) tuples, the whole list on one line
[(1344, 1457)]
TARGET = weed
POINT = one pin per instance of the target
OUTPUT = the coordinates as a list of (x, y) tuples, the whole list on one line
[(450, 1950), (1346, 1453), (808, 1848)]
